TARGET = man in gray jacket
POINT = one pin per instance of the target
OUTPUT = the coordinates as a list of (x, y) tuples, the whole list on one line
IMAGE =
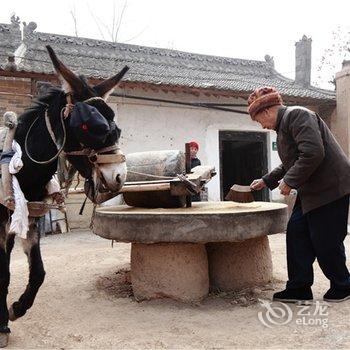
[(314, 164)]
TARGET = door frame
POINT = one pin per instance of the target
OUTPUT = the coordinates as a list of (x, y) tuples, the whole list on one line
[(234, 135)]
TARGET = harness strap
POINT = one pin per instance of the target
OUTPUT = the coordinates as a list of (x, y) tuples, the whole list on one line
[(91, 152), (69, 106), (49, 128), (110, 158), (83, 206)]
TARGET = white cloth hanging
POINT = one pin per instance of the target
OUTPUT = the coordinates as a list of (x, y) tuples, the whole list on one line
[(53, 186), (19, 219)]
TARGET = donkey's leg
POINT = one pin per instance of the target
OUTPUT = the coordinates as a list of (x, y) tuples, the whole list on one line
[(36, 273), (6, 244), (10, 242)]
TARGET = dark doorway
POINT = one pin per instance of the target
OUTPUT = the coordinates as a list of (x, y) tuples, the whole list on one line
[(243, 158)]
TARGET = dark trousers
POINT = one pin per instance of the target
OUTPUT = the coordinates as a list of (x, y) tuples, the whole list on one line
[(319, 234)]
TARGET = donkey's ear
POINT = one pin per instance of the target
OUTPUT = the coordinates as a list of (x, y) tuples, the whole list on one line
[(70, 82), (106, 87)]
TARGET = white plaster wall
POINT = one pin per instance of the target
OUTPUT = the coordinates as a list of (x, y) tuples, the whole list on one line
[(155, 126)]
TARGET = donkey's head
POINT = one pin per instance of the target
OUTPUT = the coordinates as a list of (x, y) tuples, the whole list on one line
[(92, 135)]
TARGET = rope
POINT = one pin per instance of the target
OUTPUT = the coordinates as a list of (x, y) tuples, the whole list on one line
[(52, 136), (93, 99), (49, 129), (150, 175), (91, 226), (91, 152)]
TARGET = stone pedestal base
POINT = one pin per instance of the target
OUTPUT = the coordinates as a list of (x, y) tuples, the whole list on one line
[(239, 265), (178, 271)]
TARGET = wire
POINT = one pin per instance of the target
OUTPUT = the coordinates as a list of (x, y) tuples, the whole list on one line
[(192, 104)]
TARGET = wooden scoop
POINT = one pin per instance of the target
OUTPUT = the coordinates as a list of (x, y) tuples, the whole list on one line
[(241, 194)]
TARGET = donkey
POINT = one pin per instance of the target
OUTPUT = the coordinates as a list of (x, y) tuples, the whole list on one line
[(43, 131)]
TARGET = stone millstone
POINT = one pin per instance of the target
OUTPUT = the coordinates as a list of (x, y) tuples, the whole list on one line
[(174, 251), (202, 223)]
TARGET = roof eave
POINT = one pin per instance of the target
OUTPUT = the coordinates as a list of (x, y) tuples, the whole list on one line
[(210, 91)]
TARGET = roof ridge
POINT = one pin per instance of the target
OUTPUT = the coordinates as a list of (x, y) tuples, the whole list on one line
[(310, 87)]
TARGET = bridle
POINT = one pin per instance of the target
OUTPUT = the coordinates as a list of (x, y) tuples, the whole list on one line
[(95, 156)]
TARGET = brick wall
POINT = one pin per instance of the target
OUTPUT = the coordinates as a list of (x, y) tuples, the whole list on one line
[(15, 95)]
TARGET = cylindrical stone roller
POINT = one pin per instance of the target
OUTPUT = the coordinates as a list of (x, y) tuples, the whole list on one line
[(150, 166)]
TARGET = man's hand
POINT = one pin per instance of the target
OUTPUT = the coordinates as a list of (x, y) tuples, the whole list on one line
[(258, 185), (284, 188)]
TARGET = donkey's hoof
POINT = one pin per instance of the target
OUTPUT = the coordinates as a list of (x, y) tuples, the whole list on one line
[(12, 316), (4, 339)]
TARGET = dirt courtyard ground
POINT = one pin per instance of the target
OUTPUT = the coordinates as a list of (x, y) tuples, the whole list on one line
[(85, 304)]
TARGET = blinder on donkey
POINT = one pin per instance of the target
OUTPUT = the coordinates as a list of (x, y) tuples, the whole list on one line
[(75, 120), (93, 130), (91, 127)]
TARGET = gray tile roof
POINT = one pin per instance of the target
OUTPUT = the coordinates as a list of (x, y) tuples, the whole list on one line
[(100, 59)]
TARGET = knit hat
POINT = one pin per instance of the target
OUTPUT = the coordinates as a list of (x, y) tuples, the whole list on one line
[(263, 98), (194, 144)]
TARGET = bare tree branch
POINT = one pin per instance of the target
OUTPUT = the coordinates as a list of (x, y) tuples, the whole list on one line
[(113, 22), (109, 32), (95, 20), (74, 16), (120, 20), (137, 35), (112, 32)]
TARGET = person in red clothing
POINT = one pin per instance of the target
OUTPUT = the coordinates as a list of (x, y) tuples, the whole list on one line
[(194, 147)]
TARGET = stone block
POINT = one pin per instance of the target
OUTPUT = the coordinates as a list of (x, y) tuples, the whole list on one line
[(178, 271), (238, 265)]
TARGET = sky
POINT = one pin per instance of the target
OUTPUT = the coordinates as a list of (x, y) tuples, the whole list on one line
[(240, 29)]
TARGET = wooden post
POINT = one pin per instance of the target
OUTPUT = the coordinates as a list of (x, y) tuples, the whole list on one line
[(188, 170), (10, 121)]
